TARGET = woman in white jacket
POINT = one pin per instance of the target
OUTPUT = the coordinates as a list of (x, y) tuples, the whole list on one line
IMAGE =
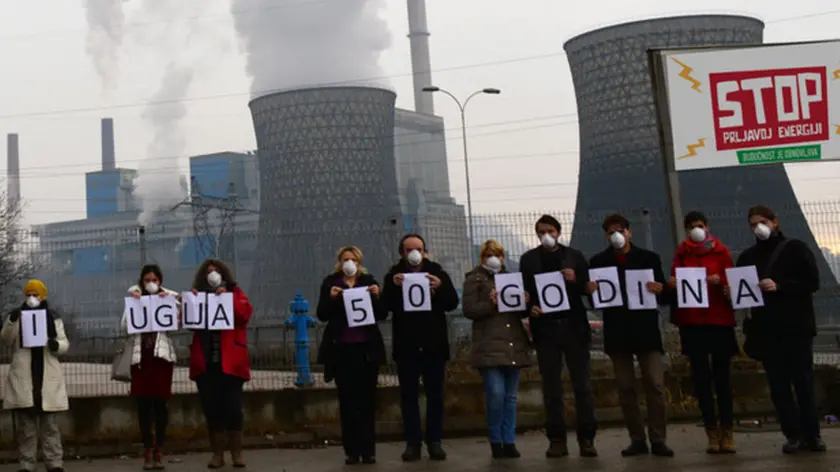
[(35, 389), (152, 365)]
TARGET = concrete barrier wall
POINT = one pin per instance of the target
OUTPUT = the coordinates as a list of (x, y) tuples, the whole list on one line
[(97, 426)]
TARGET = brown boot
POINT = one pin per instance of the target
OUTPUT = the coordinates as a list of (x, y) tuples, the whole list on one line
[(235, 445), (727, 441), (713, 434), (148, 464), (217, 445)]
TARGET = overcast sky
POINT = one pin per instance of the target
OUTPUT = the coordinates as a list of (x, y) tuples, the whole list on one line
[(524, 143)]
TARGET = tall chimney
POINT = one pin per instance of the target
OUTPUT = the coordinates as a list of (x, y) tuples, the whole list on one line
[(12, 172), (109, 160), (421, 64)]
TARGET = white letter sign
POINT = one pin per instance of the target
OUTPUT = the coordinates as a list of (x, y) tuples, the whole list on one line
[(164, 312), (638, 296), (417, 293), (33, 326), (692, 289), (358, 307), (608, 293), (743, 287), (510, 292), (219, 311), (551, 288), (137, 317), (193, 310)]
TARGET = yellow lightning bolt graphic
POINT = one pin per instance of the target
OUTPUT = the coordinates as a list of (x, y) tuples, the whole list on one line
[(837, 130), (837, 74), (692, 148), (685, 73)]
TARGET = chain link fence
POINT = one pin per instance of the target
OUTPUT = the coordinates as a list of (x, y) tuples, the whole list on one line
[(89, 292)]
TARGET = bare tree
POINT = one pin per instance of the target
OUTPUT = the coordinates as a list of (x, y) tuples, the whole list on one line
[(20, 256)]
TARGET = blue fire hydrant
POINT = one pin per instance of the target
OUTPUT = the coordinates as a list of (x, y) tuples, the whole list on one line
[(301, 322)]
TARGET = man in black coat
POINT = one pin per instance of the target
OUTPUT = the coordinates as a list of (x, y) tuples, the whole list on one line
[(561, 334), (629, 333), (421, 346), (785, 327)]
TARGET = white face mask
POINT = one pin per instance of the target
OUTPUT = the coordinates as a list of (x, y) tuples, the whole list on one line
[(349, 268), (32, 301), (617, 240), (414, 257), (493, 264), (152, 287), (762, 231), (548, 241), (698, 235), (214, 279)]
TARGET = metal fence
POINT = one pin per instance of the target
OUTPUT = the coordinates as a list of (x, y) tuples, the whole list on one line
[(91, 304)]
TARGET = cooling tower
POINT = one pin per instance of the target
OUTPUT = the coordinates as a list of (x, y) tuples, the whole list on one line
[(327, 180), (620, 159)]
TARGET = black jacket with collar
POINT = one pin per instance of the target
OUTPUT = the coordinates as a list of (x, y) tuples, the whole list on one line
[(539, 261), (625, 330), (332, 312), (418, 332), (789, 311)]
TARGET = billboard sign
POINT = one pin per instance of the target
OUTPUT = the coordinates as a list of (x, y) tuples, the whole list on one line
[(753, 105)]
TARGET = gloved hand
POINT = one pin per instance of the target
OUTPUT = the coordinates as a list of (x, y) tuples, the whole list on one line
[(53, 345), (15, 316)]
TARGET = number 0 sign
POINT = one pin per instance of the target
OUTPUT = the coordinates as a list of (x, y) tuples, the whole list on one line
[(358, 307)]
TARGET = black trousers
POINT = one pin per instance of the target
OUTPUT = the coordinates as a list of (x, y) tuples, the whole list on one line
[(790, 362), (711, 374), (432, 369), (221, 399), (355, 379), (152, 413), (558, 339)]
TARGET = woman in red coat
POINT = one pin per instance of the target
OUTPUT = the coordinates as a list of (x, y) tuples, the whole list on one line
[(708, 334), (219, 365)]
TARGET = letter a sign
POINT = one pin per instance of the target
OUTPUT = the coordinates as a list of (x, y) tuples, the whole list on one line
[(743, 287)]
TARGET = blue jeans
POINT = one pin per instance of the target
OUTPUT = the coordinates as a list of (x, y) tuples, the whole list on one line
[(500, 386)]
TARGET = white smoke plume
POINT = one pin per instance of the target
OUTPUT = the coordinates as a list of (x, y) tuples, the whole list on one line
[(292, 44), (159, 184), (106, 23)]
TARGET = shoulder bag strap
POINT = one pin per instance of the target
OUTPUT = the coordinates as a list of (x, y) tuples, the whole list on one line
[(768, 269)]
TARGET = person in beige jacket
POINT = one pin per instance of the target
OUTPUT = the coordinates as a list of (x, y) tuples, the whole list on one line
[(35, 389), (500, 348)]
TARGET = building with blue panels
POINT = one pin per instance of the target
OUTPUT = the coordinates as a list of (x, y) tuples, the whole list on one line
[(109, 192), (215, 172)]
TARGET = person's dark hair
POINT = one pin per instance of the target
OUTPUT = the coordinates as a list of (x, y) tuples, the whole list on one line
[(200, 279), (763, 211), (693, 216), (150, 269), (547, 220), (615, 219), (409, 236)]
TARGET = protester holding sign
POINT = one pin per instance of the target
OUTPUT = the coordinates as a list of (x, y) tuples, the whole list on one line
[(35, 389), (418, 292), (352, 354), (783, 330), (562, 333), (500, 346), (632, 329), (219, 363), (152, 364), (706, 333)]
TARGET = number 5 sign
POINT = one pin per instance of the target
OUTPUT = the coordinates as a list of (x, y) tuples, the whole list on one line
[(358, 307)]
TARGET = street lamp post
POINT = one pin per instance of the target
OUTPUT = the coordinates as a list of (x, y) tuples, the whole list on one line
[(462, 106)]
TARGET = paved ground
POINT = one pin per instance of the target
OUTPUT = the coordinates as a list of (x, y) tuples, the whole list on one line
[(757, 452)]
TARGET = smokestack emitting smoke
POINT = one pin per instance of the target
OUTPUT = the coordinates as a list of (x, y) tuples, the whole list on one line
[(291, 44), (421, 64), (109, 159), (106, 22), (12, 172)]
